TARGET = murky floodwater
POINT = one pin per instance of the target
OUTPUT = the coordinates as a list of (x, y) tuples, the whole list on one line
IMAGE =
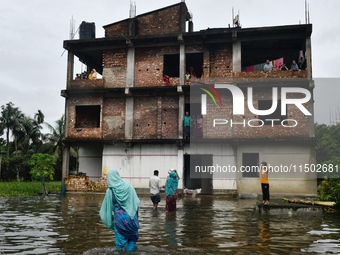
[(201, 225)]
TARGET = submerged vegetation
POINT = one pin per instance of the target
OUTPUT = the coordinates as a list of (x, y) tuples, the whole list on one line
[(28, 188)]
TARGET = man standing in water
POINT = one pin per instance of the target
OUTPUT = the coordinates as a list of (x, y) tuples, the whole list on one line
[(155, 186), (264, 183)]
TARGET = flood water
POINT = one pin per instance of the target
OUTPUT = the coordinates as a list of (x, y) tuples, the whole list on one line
[(201, 225)]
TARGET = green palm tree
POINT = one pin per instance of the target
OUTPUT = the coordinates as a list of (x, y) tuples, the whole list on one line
[(34, 133), (57, 135), (56, 138), (10, 120)]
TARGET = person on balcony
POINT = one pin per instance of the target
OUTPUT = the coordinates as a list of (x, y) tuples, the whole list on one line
[(92, 75), (187, 76), (186, 122), (294, 66), (268, 67)]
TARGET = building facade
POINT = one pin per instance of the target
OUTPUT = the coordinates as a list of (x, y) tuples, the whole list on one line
[(155, 67)]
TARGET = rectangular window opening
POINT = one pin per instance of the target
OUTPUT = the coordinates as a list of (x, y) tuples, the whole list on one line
[(194, 65), (171, 65), (87, 116)]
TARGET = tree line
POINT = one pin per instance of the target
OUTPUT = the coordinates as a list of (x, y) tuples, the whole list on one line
[(22, 142)]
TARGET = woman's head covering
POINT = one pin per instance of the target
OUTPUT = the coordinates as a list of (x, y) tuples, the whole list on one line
[(171, 184), (125, 194)]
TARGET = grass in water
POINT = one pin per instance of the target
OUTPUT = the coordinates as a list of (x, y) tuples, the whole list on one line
[(28, 188)]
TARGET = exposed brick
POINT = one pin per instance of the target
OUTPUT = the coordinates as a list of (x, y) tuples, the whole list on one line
[(145, 118), (84, 133), (114, 118), (166, 21), (119, 29), (84, 184)]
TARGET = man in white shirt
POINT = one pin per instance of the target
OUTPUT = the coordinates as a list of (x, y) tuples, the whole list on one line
[(155, 186)]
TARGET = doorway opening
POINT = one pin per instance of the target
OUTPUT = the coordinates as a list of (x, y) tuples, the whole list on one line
[(201, 180)]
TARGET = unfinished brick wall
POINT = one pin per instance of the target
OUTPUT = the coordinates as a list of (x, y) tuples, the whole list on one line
[(166, 21), (273, 74), (114, 118), (220, 60), (145, 117), (84, 133), (86, 84), (119, 29), (169, 118), (149, 66), (155, 118), (114, 72)]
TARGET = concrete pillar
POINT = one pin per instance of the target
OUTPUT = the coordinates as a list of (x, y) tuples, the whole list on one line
[(191, 26), (130, 69), (129, 118), (180, 115), (309, 57), (66, 162), (70, 64), (237, 64), (66, 149), (181, 64), (180, 167), (311, 84), (311, 120), (130, 82)]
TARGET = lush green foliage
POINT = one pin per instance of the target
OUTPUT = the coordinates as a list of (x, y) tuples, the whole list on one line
[(329, 190), (42, 166), (22, 137), (27, 188), (328, 152), (327, 144)]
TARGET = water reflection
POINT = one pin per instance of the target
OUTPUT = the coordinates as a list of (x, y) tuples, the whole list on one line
[(201, 225)]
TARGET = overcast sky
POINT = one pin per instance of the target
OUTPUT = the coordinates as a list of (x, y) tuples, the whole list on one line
[(33, 66)]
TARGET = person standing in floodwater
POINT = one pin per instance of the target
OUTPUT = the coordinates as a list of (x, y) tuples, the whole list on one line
[(264, 183), (171, 191), (155, 186), (121, 199)]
